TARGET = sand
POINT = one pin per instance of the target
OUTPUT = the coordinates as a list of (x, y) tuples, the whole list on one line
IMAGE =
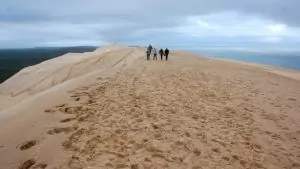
[(113, 109)]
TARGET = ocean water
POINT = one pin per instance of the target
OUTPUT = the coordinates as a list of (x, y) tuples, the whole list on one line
[(290, 60)]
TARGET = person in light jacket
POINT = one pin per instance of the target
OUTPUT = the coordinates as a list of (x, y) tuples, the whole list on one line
[(154, 54)]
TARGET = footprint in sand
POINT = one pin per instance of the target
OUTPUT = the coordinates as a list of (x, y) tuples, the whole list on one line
[(67, 120), (216, 150), (292, 99), (154, 126), (226, 158), (75, 163), (134, 166), (67, 110), (49, 111), (197, 152), (187, 134), (73, 138), (27, 164), (91, 144), (40, 166), (91, 101), (58, 130), (61, 105), (27, 145)]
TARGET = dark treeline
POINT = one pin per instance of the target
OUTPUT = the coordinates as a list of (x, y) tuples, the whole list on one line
[(13, 60)]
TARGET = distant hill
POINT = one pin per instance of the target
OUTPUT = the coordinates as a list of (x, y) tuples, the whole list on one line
[(13, 60)]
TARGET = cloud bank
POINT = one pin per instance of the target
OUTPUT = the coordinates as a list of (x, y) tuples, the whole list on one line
[(182, 24)]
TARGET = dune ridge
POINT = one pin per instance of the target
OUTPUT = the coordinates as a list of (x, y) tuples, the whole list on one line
[(49, 73), (35, 79), (113, 109)]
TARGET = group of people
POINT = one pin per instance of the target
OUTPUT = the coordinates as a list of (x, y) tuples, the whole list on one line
[(162, 53)]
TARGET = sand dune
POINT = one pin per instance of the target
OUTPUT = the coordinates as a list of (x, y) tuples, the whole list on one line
[(35, 79), (43, 76), (113, 109)]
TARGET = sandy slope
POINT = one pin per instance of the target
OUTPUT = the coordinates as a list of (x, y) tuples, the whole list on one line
[(35, 79), (126, 112)]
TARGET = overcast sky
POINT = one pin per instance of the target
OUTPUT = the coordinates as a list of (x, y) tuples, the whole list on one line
[(236, 24)]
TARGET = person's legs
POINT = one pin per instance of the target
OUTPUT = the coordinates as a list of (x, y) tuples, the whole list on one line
[(167, 56)]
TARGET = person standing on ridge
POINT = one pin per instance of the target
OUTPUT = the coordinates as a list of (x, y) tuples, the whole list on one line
[(148, 52), (167, 53), (154, 54), (150, 48), (161, 53)]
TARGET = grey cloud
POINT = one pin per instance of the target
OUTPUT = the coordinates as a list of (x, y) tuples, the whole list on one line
[(128, 20), (150, 11)]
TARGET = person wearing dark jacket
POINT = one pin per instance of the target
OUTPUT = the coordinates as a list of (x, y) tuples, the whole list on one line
[(167, 53), (148, 52), (161, 53), (150, 48)]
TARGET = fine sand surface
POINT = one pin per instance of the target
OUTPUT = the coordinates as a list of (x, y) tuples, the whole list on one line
[(113, 109)]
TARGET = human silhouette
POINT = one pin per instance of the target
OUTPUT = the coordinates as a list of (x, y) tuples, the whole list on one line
[(161, 53), (154, 54), (148, 52), (167, 53)]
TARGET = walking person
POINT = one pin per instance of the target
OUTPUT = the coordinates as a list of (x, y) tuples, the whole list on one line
[(150, 48), (148, 52), (154, 54), (161, 53), (167, 53)]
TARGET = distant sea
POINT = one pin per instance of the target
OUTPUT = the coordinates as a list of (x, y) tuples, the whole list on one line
[(13, 60), (286, 59)]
